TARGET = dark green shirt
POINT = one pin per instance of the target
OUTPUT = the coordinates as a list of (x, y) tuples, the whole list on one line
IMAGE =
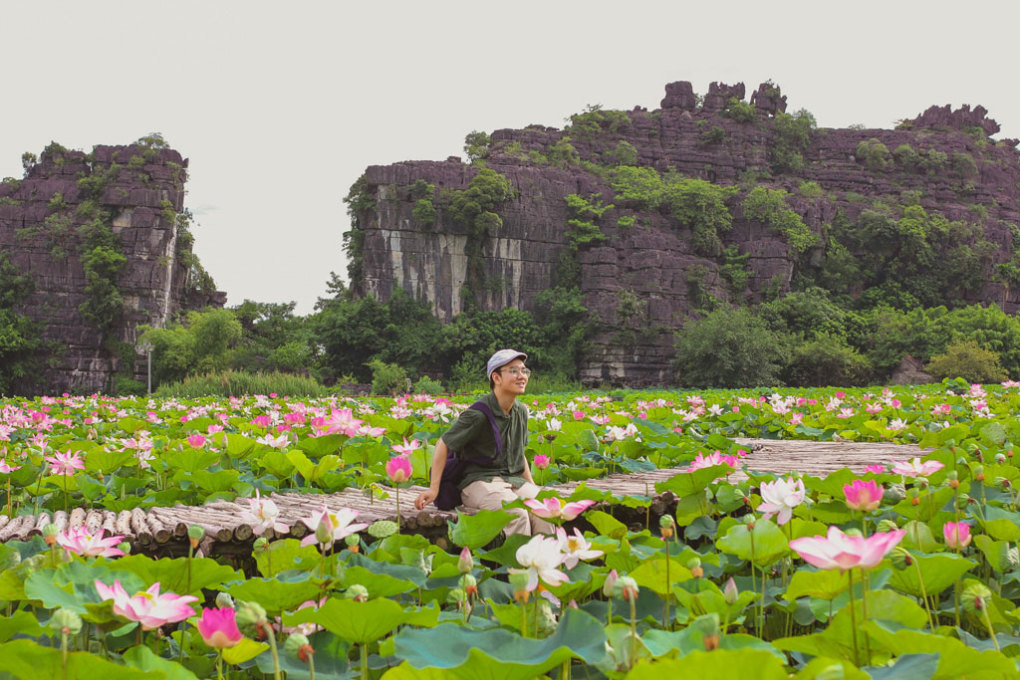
[(471, 435)]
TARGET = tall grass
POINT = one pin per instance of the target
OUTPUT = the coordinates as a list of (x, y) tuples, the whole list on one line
[(237, 383)]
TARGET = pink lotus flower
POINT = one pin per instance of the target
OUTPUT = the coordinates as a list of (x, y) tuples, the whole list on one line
[(541, 559), (80, 542), (915, 468), (329, 527), (7, 469), (218, 627), (957, 534), (196, 441), (555, 508), (840, 551), (398, 469), (575, 548), (864, 496), (875, 468), (407, 448), (65, 463), (781, 497), (149, 607), (702, 461), (541, 461), (262, 514), (796, 418)]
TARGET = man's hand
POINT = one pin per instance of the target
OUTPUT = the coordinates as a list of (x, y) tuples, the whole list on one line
[(424, 498)]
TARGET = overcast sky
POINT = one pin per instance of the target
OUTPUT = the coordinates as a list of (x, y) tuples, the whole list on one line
[(280, 106)]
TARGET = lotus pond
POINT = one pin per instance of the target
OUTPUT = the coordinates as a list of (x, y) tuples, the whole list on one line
[(908, 570)]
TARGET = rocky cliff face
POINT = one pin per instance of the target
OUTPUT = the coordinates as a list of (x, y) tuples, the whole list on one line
[(648, 278), (131, 196)]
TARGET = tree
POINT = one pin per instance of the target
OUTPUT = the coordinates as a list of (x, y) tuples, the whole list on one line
[(730, 348), (969, 361)]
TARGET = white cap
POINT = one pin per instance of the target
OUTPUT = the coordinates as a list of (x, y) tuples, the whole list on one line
[(502, 358)]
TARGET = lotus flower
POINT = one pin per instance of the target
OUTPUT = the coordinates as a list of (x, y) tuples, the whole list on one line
[(864, 496), (957, 534), (781, 497), (65, 463), (407, 448), (540, 558), (7, 469), (331, 526), (575, 548), (915, 468), (840, 551), (149, 607), (541, 461), (218, 627), (554, 507), (262, 514), (80, 542), (196, 441), (398, 469)]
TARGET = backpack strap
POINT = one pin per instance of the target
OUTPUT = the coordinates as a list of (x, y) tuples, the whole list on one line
[(484, 408)]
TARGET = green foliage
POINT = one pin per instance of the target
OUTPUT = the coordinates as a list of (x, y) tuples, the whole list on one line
[(626, 221), (21, 342), (640, 188), (424, 212), (426, 385), (236, 383), (810, 190), (595, 120), (964, 165), (202, 345), (932, 161), (826, 359), (967, 360), (387, 378), (712, 134), (874, 154), (475, 206), (563, 154), (769, 207), (906, 156), (729, 348), (476, 145), (104, 302), (701, 206), (735, 271), (625, 153), (272, 339), (583, 214), (739, 110), (791, 140)]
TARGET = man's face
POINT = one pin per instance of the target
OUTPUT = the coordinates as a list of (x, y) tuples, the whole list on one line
[(511, 378)]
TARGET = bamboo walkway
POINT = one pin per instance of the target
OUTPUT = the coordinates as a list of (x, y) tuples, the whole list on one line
[(164, 531)]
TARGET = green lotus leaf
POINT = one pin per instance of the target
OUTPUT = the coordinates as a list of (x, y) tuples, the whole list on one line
[(939, 570), (769, 544), (131, 425), (238, 445), (98, 459), (1001, 524), (27, 660), (719, 663), (284, 555), (685, 484), (276, 462), (930, 504), (397, 571), (379, 584), (817, 665), (499, 653), (956, 660), (908, 667), (142, 658), (20, 623), (824, 584), (72, 585), (505, 554), (318, 447), (833, 483), (651, 574), (172, 574), (274, 595), (606, 524), (245, 650), (215, 482), (359, 622), (474, 531), (996, 552)]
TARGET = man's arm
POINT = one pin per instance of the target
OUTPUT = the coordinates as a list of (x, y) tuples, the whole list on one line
[(527, 471), (438, 465)]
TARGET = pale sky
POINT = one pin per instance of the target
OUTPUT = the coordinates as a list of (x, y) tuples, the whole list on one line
[(281, 106)]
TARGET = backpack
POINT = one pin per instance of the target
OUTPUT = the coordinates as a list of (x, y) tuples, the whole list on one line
[(448, 497)]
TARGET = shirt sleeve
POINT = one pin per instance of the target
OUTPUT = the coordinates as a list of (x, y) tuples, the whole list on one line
[(463, 429)]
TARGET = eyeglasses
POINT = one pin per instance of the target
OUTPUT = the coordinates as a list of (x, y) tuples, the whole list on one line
[(526, 372)]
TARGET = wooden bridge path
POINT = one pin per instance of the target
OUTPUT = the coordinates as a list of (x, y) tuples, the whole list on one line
[(164, 531)]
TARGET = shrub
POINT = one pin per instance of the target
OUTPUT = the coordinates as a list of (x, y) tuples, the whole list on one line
[(476, 145), (769, 207), (701, 205), (712, 135), (562, 153), (810, 190), (874, 154), (424, 212), (826, 360), (640, 188), (969, 361), (739, 110), (427, 385), (729, 348), (792, 137), (625, 153), (964, 165), (387, 378), (238, 383), (906, 156)]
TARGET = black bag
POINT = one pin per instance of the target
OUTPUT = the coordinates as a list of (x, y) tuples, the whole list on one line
[(448, 497)]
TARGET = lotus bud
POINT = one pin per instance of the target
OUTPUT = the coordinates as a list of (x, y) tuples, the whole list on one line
[(195, 534), (353, 542), (626, 587), (457, 595), (66, 621), (466, 561), (730, 592), (901, 557), (953, 479), (979, 473), (895, 493), (854, 531), (1000, 458), (607, 587), (666, 526), (749, 521), (469, 584), (961, 462), (50, 532), (357, 592), (923, 482), (962, 501), (1002, 482), (324, 532), (887, 525), (550, 436), (124, 547), (250, 617), (224, 601), (976, 597), (694, 564), (519, 583), (260, 544), (298, 645), (708, 626), (915, 497), (1013, 558)]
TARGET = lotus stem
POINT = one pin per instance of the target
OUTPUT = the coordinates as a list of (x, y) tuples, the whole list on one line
[(988, 625), (924, 595), (272, 648), (665, 613), (853, 618), (633, 630), (364, 660), (63, 654)]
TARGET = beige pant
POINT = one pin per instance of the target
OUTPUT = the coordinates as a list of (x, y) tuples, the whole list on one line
[(491, 496)]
